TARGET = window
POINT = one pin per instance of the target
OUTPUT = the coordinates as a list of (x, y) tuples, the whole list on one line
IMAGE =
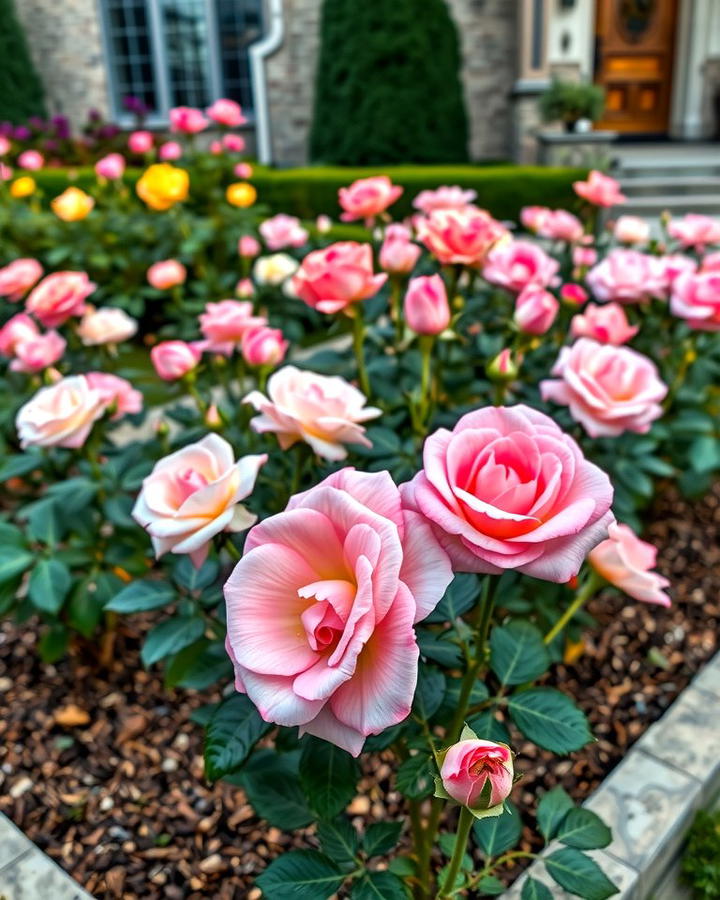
[(180, 52)]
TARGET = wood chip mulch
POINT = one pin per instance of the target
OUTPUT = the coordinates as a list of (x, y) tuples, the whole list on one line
[(103, 770)]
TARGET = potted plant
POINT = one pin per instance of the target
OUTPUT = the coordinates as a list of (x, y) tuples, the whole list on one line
[(570, 101)]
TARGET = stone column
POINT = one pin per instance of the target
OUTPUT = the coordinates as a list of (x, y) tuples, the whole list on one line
[(532, 76)]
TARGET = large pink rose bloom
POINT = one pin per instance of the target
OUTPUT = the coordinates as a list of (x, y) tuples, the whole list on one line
[(224, 324), (607, 324), (283, 231), (444, 197), (187, 120), (599, 189), (367, 197), (38, 353), (460, 236), (194, 494), (507, 489), (520, 264), (325, 411), (116, 392), (625, 561), (627, 276), (608, 389), (320, 609), (18, 277), (60, 415), (332, 279), (59, 296), (696, 298), (560, 225), (696, 231)]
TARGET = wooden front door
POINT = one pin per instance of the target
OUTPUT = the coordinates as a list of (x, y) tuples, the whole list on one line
[(635, 46)]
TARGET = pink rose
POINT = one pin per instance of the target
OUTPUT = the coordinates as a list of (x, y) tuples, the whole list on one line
[(460, 236), (696, 298), (6, 173), (248, 246), (560, 225), (18, 277), (671, 266), (107, 325), (574, 294), (625, 561), (533, 217), (283, 231), (584, 256), (333, 278), (4, 145), (504, 367), (170, 151), (37, 353), (227, 113), (600, 190), (187, 120), (426, 306), (695, 231), (710, 263), (244, 288), (194, 494), (243, 170), (216, 148), (140, 142), (111, 166), (31, 160), (444, 198), (398, 255), (234, 143), (608, 389), (627, 276), (324, 411), (507, 489), (263, 346), (15, 331), (174, 359), (367, 197), (166, 274), (59, 296), (478, 774), (535, 310), (61, 415), (520, 264), (320, 609), (607, 324), (631, 230), (223, 324), (116, 392)]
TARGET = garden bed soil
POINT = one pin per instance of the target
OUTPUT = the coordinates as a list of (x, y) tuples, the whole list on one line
[(103, 770)]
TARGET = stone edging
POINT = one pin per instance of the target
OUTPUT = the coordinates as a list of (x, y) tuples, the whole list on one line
[(650, 798)]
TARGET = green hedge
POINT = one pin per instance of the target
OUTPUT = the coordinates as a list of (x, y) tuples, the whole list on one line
[(307, 192)]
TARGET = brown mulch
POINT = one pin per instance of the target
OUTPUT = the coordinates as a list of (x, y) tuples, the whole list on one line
[(104, 770)]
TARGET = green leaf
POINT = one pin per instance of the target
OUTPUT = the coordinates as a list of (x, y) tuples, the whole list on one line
[(413, 778), (86, 607), (273, 788), (193, 579), (142, 595), (199, 666), (488, 728), (704, 453), (339, 840), (490, 886), (10, 535), (496, 834), (461, 595), (328, 775), (550, 719), (429, 692), (49, 585), (13, 561), (583, 829), (579, 874), (15, 466), (53, 644), (554, 805), (170, 637), (518, 653), (533, 889), (381, 837), (302, 875), (233, 731), (379, 886), (439, 648), (73, 494), (45, 522)]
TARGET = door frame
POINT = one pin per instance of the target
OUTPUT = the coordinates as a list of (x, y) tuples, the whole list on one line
[(686, 101)]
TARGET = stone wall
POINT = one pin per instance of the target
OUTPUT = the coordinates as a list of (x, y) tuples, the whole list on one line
[(66, 46)]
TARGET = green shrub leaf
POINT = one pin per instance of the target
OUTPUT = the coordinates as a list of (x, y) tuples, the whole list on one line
[(518, 653), (231, 734), (328, 775), (579, 874), (302, 875), (550, 719)]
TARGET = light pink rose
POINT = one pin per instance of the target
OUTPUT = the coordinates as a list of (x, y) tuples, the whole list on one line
[(166, 274), (367, 197), (608, 389), (323, 224), (107, 325), (243, 170), (478, 774), (170, 151), (111, 166), (116, 392), (223, 324), (59, 296), (696, 298), (574, 294), (4, 145), (15, 331), (507, 489), (627, 276), (533, 217), (584, 256), (174, 359), (460, 236), (426, 306), (631, 230), (37, 353), (398, 255), (244, 288), (283, 231), (226, 112), (333, 278), (710, 263), (263, 346), (60, 415), (607, 324), (216, 148), (600, 190), (6, 173), (520, 264), (32, 160), (535, 310), (324, 411), (444, 197), (140, 142), (18, 277), (194, 494), (321, 608), (187, 120), (695, 231), (560, 225), (234, 143), (672, 265), (625, 561), (248, 246)]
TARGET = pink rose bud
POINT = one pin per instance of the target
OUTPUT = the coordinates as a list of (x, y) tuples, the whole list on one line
[(323, 224), (606, 323), (533, 217), (174, 359), (187, 120), (631, 230), (503, 367), (283, 231), (234, 143), (426, 306), (38, 353), (31, 160), (243, 170), (166, 274), (170, 151), (248, 246), (398, 255), (217, 148), (244, 288), (111, 166), (574, 294), (263, 346), (140, 142), (625, 561), (4, 145), (367, 197), (6, 173), (478, 774), (584, 256), (535, 310), (213, 419), (227, 113), (599, 189)]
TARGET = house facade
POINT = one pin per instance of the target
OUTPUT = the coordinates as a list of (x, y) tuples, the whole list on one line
[(659, 61)]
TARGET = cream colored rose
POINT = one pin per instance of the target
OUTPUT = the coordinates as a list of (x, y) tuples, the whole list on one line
[(274, 269), (106, 325), (60, 415)]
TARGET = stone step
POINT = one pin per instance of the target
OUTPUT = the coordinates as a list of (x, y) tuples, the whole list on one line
[(678, 204), (666, 168), (679, 184)]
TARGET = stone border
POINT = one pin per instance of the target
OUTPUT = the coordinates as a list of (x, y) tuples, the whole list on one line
[(26, 873), (649, 800)]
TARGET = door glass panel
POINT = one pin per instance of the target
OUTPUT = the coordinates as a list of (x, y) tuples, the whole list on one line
[(635, 18)]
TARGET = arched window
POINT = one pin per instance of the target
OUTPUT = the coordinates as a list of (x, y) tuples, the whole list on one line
[(180, 52)]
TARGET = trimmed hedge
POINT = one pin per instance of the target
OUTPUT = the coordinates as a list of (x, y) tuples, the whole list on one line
[(21, 91), (307, 192)]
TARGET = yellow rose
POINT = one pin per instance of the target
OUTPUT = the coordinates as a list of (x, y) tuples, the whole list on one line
[(72, 205), (23, 186), (241, 194), (161, 186)]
